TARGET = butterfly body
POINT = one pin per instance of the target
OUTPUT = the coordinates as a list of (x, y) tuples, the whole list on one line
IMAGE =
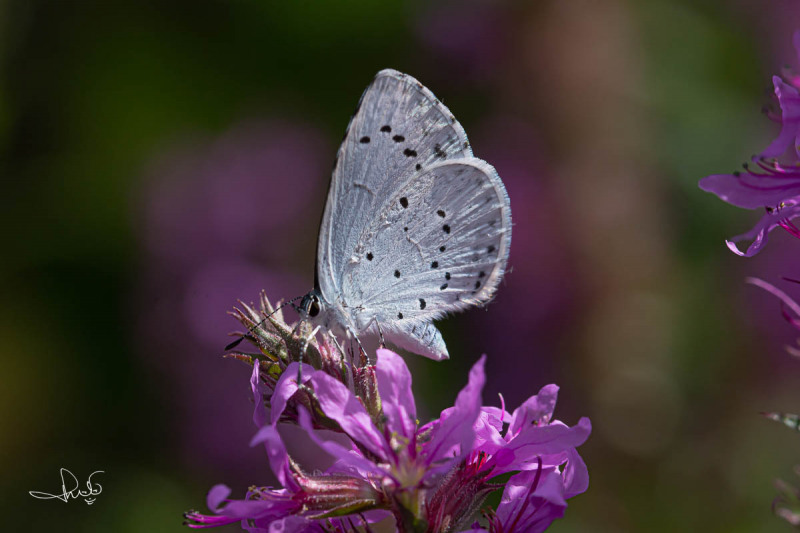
[(414, 227)]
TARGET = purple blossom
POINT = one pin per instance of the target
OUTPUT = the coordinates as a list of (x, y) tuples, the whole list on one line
[(768, 183), (305, 501), (538, 447), (789, 308), (787, 504), (435, 477)]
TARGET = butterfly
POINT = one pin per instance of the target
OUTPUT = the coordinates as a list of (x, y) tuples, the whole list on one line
[(414, 227)]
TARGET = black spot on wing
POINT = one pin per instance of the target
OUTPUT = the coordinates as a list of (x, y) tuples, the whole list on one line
[(408, 152), (404, 202), (422, 303), (386, 129), (446, 228), (398, 138), (364, 140)]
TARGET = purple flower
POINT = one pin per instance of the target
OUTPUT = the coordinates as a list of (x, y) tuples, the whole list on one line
[(532, 500), (538, 447), (768, 183), (443, 470), (787, 504), (305, 501), (384, 464), (789, 308)]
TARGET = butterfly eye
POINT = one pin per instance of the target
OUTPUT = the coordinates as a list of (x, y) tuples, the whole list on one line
[(313, 309)]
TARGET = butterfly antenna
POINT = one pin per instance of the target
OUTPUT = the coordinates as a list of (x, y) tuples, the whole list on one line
[(252, 328)]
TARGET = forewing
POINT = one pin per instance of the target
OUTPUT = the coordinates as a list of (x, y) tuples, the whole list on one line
[(398, 129), (440, 245)]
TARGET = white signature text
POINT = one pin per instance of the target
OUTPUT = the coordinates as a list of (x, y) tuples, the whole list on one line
[(70, 489)]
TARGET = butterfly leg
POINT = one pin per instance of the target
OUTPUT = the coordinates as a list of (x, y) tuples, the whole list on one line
[(364, 356), (342, 355), (338, 346), (303, 347), (374, 320), (380, 333)]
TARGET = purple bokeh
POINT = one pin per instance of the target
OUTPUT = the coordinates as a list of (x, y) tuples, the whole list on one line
[(519, 329), (220, 220), (536, 297), (468, 38)]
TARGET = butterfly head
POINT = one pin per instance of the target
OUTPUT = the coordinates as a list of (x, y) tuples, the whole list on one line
[(316, 309), (311, 305)]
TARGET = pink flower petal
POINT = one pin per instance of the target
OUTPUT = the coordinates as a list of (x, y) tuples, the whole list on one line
[(259, 412), (286, 387), (790, 118), (536, 409), (277, 455), (341, 405), (752, 191), (532, 512), (217, 495), (397, 399), (454, 435), (758, 234), (346, 457)]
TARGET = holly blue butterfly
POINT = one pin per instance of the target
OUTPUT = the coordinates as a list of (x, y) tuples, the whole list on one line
[(414, 227)]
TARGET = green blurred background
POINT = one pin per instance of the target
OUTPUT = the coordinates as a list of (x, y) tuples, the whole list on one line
[(160, 159)]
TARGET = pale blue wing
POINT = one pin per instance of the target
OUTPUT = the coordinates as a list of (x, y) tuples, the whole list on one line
[(399, 129), (440, 244), (421, 338)]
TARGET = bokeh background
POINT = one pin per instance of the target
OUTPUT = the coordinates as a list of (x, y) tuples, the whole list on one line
[(160, 159)]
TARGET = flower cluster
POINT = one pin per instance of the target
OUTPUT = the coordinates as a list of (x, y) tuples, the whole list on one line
[(772, 182), (787, 504), (767, 182), (385, 465)]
